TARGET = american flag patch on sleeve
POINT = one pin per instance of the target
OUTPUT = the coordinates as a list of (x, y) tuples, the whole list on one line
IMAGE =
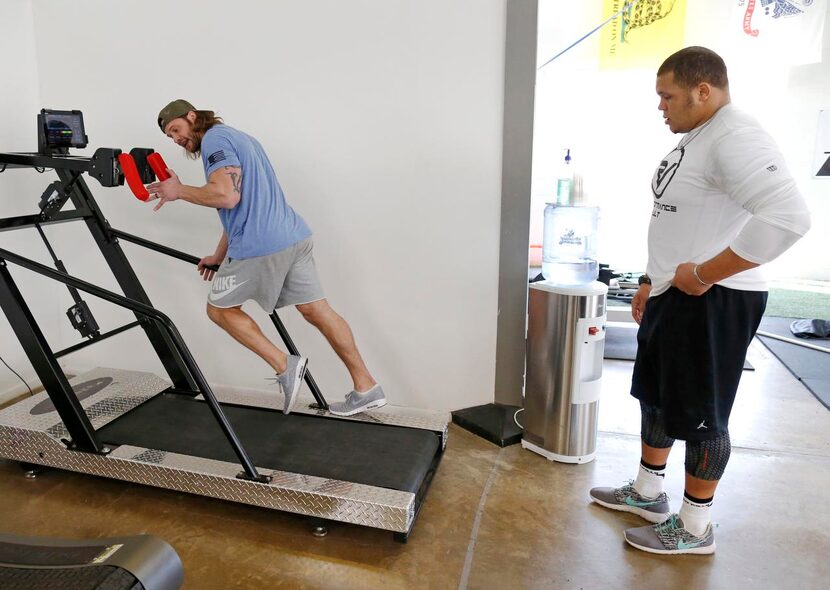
[(216, 157)]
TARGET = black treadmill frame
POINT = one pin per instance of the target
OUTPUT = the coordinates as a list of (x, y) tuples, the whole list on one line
[(168, 344)]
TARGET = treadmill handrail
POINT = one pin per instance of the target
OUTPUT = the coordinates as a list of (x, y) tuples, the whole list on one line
[(63, 161), (150, 245), (167, 324), (24, 221)]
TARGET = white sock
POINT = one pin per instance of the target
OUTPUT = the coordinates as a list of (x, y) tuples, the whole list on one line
[(649, 482), (695, 515)]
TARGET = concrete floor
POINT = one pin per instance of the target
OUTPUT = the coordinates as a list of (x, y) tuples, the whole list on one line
[(498, 518)]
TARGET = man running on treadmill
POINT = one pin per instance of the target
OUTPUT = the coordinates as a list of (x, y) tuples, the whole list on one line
[(265, 251)]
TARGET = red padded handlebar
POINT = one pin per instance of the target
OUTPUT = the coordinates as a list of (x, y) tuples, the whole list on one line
[(156, 162), (130, 171)]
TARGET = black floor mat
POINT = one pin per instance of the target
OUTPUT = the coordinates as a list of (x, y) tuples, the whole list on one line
[(811, 367), (358, 452), (621, 344)]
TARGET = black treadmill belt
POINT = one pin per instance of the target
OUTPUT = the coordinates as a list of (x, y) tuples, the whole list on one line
[(359, 452)]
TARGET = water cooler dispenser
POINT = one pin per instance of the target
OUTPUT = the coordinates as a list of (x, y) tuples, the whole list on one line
[(565, 345)]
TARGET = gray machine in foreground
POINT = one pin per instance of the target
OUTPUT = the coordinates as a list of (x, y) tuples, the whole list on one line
[(565, 345), (141, 562)]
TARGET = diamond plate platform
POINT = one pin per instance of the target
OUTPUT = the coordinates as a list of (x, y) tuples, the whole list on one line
[(31, 432)]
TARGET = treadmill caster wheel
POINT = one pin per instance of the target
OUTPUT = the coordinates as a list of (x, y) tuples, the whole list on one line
[(30, 470)]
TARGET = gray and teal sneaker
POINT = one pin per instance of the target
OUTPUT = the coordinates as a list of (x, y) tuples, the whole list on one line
[(291, 380), (671, 538), (627, 499), (359, 402)]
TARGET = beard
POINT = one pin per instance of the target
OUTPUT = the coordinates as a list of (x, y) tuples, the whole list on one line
[(196, 141)]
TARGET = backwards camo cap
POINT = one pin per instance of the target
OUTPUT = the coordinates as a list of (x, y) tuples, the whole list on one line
[(174, 110)]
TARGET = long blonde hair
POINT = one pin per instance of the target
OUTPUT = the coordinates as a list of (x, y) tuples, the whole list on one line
[(204, 121)]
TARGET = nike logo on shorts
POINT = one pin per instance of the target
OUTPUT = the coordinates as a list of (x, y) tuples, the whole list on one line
[(214, 295)]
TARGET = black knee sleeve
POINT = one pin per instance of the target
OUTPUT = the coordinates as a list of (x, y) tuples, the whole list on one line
[(653, 429), (707, 459)]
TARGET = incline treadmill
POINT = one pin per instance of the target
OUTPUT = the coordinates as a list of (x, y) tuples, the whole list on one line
[(371, 469)]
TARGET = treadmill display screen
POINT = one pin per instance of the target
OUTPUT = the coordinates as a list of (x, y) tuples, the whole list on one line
[(64, 129)]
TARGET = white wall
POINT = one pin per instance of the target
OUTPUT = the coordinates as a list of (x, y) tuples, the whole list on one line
[(383, 121), (21, 189), (611, 121)]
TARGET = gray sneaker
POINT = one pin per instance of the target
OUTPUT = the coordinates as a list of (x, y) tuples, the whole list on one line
[(359, 402), (671, 538), (291, 380), (627, 499)]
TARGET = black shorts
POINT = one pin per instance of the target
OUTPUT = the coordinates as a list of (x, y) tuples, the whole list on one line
[(690, 354)]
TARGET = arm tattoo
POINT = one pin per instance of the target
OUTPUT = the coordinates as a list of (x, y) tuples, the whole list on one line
[(236, 179)]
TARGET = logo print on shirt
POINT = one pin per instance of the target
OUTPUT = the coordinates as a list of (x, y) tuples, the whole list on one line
[(702, 426), (224, 286), (216, 157), (666, 171)]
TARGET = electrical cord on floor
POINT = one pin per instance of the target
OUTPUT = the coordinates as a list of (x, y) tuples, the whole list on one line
[(31, 393), (516, 413)]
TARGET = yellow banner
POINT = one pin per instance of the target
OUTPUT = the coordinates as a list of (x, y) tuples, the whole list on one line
[(645, 34)]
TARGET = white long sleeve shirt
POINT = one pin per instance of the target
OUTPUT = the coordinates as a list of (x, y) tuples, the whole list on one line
[(725, 185)]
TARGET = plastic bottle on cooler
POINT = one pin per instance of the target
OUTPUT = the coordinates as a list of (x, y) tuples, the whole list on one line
[(569, 245)]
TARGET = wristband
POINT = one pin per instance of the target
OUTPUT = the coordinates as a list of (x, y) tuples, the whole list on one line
[(697, 276)]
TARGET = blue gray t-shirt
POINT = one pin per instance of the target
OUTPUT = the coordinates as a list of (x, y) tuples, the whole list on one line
[(262, 222)]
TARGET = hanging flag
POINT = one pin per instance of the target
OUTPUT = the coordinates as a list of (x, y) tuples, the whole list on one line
[(644, 33), (783, 32)]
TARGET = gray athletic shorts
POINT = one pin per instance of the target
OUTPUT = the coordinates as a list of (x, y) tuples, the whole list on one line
[(287, 277)]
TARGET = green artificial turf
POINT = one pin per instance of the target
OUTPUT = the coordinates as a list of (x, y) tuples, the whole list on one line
[(789, 303)]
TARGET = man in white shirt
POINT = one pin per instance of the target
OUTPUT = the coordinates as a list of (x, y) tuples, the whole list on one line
[(724, 204)]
